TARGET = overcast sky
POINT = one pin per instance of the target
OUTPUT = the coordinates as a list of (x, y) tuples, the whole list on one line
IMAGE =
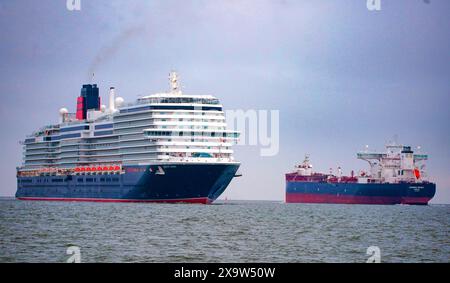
[(340, 75)]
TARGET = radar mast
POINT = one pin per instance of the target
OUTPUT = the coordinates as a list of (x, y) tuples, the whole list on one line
[(174, 83)]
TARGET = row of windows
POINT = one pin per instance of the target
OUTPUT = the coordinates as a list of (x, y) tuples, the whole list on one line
[(181, 100), (103, 133), (91, 180), (79, 180), (104, 126), (163, 107), (68, 136), (78, 128), (180, 134), (146, 122), (29, 181), (42, 145)]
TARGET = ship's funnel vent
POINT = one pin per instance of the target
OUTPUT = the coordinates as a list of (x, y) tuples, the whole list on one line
[(88, 99), (112, 99)]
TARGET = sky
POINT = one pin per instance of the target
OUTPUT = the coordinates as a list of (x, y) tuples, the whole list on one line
[(341, 76)]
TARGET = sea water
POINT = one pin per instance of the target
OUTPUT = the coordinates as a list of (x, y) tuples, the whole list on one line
[(231, 231)]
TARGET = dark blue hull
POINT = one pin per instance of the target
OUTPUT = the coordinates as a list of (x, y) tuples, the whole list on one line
[(196, 183), (355, 193)]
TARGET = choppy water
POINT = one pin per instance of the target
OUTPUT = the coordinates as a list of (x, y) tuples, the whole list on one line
[(230, 232)]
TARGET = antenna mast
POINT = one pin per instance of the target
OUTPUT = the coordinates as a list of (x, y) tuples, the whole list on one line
[(174, 83)]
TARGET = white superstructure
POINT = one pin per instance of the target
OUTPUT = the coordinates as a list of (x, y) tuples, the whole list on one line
[(397, 164), (164, 127)]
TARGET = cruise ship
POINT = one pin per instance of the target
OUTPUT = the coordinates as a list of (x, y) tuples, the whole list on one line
[(396, 176), (164, 147)]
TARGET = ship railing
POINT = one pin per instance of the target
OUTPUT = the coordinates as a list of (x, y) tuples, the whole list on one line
[(161, 100), (73, 122), (366, 155)]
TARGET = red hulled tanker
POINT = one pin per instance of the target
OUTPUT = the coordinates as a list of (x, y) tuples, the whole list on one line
[(396, 177)]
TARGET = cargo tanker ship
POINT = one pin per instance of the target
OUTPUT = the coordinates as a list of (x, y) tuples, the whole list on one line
[(165, 147), (396, 176)]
